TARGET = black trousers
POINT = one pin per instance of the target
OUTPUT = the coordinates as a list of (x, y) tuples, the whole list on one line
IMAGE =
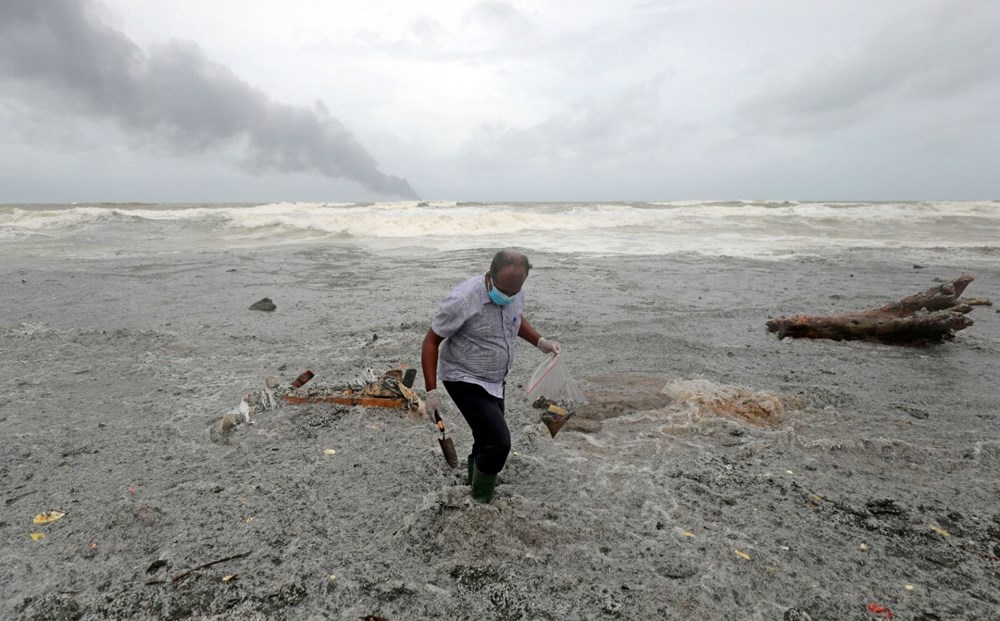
[(484, 414)]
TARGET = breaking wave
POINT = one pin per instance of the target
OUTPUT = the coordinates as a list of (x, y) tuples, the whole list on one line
[(733, 228)]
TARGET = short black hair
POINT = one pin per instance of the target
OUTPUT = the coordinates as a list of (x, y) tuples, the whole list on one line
[(506, 258)]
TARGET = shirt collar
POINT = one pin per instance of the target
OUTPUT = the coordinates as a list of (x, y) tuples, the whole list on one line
[(484, 292)]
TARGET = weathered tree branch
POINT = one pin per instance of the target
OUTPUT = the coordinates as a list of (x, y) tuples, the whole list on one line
[(929, 317)]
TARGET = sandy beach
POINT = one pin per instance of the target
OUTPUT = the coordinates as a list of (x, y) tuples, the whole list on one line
[(875, 486)]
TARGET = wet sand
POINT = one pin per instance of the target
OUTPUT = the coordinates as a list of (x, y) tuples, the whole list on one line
[(876, 484)]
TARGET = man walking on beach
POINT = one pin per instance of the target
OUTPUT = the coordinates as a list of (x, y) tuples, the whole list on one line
[(474, 331)]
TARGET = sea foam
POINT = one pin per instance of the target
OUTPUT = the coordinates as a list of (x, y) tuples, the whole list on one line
[(764, 229)]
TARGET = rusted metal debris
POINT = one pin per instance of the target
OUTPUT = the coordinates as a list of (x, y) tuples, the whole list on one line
[(929, 317), (302, 379), (391, 390), (345, 397)]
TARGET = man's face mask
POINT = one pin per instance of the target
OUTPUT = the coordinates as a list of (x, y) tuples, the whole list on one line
[(499, 297)]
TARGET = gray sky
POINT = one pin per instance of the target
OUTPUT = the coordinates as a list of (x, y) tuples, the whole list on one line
[(320, 100)]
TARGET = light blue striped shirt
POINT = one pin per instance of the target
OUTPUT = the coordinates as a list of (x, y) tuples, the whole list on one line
[(479, 336)]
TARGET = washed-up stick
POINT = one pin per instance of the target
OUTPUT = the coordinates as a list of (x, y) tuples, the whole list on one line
[(183, 575)]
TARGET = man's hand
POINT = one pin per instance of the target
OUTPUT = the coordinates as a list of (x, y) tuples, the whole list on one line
[(432, 403), (548, 347)]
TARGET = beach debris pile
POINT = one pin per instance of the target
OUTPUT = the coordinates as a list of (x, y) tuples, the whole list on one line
[(759, 408), (254, 402), (391, 389), (929, 317)]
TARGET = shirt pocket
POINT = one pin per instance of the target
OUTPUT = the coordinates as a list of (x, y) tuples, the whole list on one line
[(513, 325)]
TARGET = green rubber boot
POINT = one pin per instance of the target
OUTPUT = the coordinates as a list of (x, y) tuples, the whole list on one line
[(482, 485)]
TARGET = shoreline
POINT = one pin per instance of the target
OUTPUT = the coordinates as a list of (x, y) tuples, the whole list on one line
[(114, 369)]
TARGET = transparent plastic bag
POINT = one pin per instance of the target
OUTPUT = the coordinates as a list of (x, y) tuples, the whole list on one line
[(553, 381)]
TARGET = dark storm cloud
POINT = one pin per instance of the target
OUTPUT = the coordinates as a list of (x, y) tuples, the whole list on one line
[(174, 93), (934, 51)]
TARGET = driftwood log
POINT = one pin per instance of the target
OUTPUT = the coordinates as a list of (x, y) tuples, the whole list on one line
[(929, 317)]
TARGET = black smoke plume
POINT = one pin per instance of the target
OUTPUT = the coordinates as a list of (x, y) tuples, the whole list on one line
[(174, 92)]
